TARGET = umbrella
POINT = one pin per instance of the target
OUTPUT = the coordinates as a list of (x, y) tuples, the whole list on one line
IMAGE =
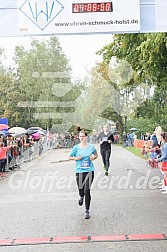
[(4, 126), (31, 131), (3, 132), (41, 132), (36, 136), (17, 131), (35, 128), (133, 129)]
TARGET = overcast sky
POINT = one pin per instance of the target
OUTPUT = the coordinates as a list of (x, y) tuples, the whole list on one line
[(79, 49)]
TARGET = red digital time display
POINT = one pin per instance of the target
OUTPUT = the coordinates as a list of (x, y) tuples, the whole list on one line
[(92, 7)]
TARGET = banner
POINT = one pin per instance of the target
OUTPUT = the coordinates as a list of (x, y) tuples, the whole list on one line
[(56, 17), (4, 120), (78, 17)]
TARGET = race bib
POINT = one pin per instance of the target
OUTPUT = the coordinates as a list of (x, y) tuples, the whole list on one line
[(85, 164), (104, 139)]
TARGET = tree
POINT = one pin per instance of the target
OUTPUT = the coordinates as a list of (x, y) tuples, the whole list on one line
[(147, 55), (107, 99), (38, 68), (9, 95)]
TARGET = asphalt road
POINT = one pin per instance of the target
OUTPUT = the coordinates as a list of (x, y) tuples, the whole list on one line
[(40, 200)]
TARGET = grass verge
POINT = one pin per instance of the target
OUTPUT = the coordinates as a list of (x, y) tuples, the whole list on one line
[(136, 151)]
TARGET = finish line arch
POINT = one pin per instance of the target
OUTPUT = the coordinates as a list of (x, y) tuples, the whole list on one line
[(63, 17)]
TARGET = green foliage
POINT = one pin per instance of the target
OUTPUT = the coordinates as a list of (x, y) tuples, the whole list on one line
[(30, 94), (143, 125), (36, 76), (9, 97), (146, 53)]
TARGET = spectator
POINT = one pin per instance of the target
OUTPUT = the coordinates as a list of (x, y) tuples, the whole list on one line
[(145, 149), (142, 136), (148, 136), (131, 139), (3, 158), (154, 139), (116, 138), (125, 139), (163, 159)]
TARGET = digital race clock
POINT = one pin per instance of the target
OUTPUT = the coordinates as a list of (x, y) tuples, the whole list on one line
[(92, 7)]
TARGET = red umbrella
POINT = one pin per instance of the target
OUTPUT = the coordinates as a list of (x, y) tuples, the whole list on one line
[(3, 126)]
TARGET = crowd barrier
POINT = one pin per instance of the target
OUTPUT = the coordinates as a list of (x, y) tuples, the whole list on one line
[(19, 155), (139, 143)]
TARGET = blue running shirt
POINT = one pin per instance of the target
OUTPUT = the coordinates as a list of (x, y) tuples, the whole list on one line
[(85, 164)]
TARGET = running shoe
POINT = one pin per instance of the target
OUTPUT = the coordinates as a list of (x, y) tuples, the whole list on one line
[(80, 201), (87, 215), (106, 173), (165, 192), (162, 186)]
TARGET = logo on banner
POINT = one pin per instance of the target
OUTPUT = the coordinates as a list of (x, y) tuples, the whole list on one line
[(41, 13)]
